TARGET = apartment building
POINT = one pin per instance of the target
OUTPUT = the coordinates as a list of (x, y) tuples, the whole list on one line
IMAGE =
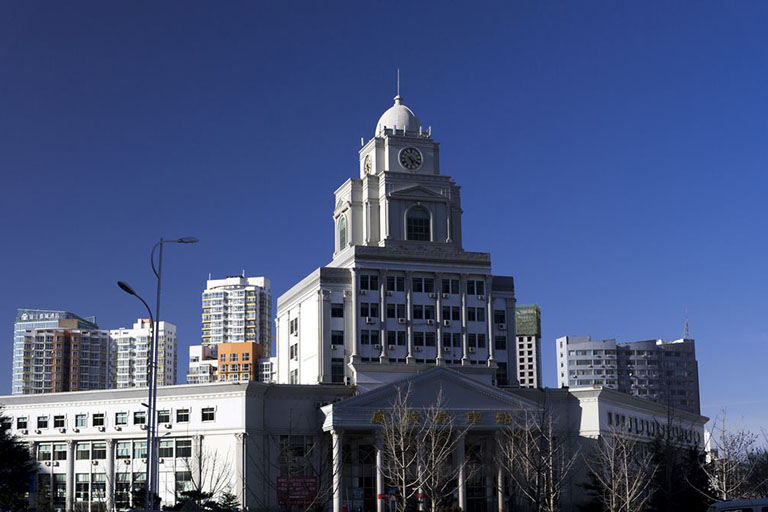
[(528, 336), (132, 349)]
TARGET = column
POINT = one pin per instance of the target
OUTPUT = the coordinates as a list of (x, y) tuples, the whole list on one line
[(439, 318), (70, 501), (323, 334), (381, 492), (110, 474), (337, 477), (489, 319), (383, 358), (197, 451), (500, 489), (240, 465), (409, 316), (460, 481), (355, 315), (463, 291)]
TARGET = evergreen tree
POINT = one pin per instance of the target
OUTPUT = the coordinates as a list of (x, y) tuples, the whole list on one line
[(17, 470)]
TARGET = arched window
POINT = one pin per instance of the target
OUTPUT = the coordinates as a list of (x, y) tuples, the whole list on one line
[(342, 232), (417, 224)]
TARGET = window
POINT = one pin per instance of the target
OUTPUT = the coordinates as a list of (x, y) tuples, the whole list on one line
[(369, 309), (342, 232), (417, 224), (139, 449), (223, 357), (501, 374), (500, 342), (164, 416), (83, 451), (60, 451), (182, 416), (293, 327), (475, 287), (418, 311), (423, 285), (81, 487), (183, 448), (369, 337), (337, 337), (21, 423), (139, 418), (166, 448), (233, 357), (184, 481), (499, 316), (208, 414), (99, 451), (429, 312), (58, 421), (121, 418), (337, 310), (369, 282), (123, 450), (451, 286), (395, 310), (395, 284), (98, 419), (246, 356), (337, 370), (44, 452), (42, 422), (429, 339), (481, 341)]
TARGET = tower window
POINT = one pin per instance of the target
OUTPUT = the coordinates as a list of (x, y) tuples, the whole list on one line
[(342, 232), (417, 224)]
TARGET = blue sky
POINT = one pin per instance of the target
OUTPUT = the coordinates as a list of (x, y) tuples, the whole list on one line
[(611, 155)]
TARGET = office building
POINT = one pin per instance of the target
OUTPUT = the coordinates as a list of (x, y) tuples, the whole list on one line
[(57, 351), (662, 371), (528, 335), (132, 347), (400, 294)]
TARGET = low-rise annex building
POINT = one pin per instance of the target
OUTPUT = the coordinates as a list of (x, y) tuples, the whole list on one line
[(278, 444)]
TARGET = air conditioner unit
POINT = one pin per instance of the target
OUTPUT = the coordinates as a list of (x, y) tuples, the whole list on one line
[(363, 292), (446, 323), (167, 425), (377, 346), (389, 293), (127, 462), (430, 321), (333, 347), (144, 460), (75, 429), (502, 327), (417, 349), (432, 295), (62, 430), (401, 320), (24, 431), (143, 427), (118, 428), (95, 462), (47, 463), (481, 297), (445, 295), (471, 350), (102, 429), (368, 320), (446, 349), (160, 461), (37, 431), (346, 381), (55, 463), (391, 347)]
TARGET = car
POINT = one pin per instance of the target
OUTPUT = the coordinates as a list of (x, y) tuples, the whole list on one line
[(756, 505)]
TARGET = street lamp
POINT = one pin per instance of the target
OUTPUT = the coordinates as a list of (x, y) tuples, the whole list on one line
[(152, 377)]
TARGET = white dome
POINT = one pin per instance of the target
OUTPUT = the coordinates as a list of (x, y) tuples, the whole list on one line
[(398, 116)]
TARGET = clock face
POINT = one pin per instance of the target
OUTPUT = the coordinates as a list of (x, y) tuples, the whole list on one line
[(410, 158), (367, 165)]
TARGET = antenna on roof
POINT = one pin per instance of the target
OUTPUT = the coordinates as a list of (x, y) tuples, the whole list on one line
[(362, 142), (398, 81), (243, 273), (686, 332)]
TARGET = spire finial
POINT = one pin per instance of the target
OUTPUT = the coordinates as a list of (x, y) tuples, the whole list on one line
[(686, 332), (398, 99)]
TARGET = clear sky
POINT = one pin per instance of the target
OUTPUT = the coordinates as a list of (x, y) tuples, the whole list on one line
[(612, 156)]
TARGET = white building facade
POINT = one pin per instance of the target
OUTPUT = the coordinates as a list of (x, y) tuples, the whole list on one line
[(132, 354), (400, 294)]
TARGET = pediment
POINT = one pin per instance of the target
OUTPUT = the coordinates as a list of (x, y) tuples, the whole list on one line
[(416, 192), (460, 393)]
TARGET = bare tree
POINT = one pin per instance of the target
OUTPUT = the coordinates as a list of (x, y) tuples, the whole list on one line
[(537, 459), (623, 470), (417, 446), (211, 477), (731, 466)]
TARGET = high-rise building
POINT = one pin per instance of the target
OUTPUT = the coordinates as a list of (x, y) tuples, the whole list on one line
[(132, 353), (59, 351), (239, 361), (237, 309), (662, 371), (528, 334), (401, 294)]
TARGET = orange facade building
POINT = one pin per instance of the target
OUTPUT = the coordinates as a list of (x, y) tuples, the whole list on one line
[(239, 361)]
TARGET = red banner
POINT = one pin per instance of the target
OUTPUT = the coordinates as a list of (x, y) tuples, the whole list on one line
[(297, 490)]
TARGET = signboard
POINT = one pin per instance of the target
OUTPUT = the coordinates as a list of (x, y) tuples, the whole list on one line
[(297, 490)]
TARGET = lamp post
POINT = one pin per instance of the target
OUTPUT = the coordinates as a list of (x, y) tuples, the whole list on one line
[(152, 366)]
